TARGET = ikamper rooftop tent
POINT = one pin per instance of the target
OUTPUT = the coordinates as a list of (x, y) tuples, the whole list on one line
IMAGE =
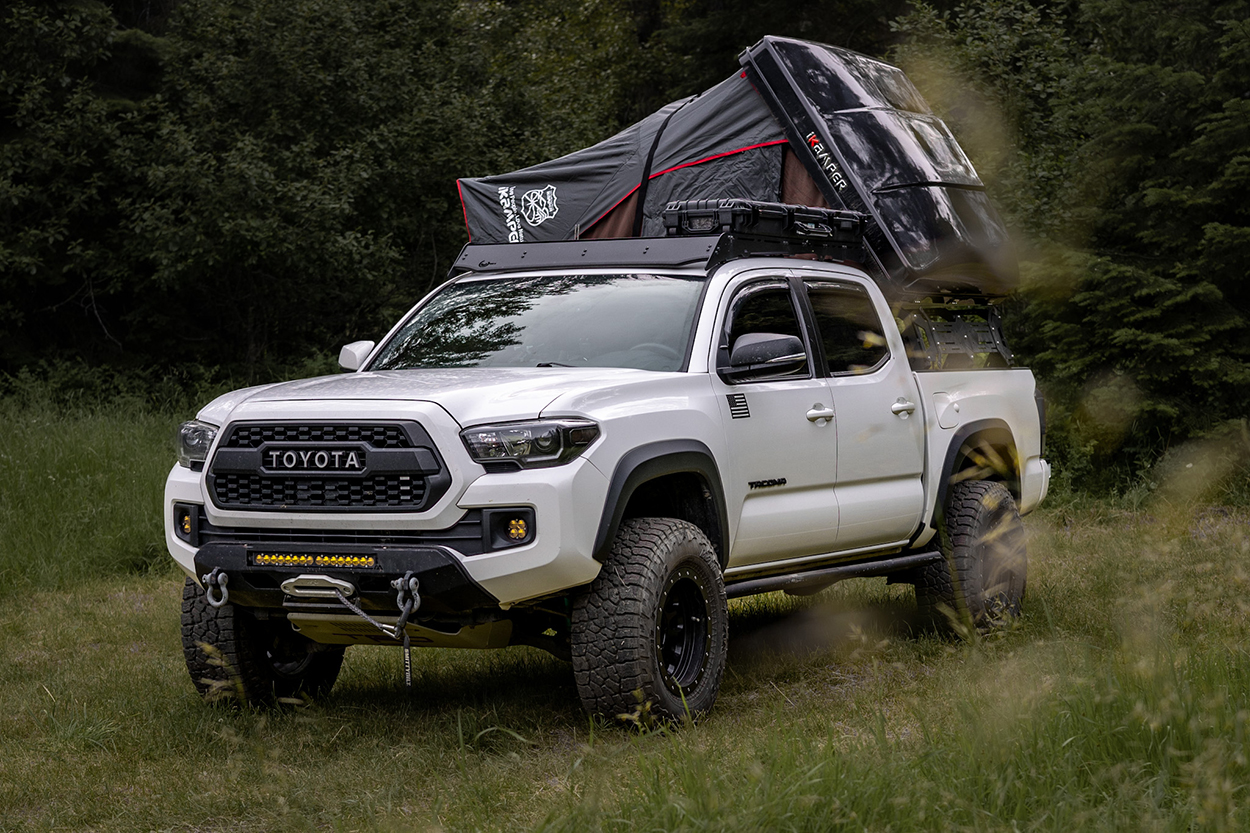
[(800, 123)]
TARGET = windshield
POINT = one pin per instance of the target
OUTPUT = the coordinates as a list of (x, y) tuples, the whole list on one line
[(638, 321)]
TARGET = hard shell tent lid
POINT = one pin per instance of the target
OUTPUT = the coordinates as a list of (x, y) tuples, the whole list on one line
[(801, 123)]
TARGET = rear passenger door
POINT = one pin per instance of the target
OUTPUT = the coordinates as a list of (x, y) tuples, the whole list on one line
[(781, 432), (880, 427)]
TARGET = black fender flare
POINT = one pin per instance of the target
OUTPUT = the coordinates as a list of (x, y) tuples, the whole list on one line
[(994, 428), (651, 461)]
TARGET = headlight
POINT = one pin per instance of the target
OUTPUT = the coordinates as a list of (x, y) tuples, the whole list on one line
[(530, 445), (194, 440)]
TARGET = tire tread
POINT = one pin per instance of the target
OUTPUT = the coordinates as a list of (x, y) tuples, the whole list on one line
[(977, 511), (612, 641), (234, 663)]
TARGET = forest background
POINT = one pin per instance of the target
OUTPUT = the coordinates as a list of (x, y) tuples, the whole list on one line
[(197, 194)]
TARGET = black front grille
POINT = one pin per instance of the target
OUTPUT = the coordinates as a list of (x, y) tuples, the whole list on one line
[(378, 436), (401, 470), (401, 491)]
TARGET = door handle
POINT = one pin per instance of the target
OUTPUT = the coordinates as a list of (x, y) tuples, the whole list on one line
[(902, 406), (819, 412)]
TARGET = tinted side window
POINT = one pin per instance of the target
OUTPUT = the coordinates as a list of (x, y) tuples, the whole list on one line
[(850, 329), (765, 309)]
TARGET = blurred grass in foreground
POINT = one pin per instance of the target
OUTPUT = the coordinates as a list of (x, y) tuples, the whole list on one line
[(1120, 702)]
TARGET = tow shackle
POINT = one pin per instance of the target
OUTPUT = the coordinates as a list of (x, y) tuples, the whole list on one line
[(216, 580), (406, 590)]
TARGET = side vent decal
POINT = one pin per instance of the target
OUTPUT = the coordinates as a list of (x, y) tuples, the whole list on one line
[(738, 405)]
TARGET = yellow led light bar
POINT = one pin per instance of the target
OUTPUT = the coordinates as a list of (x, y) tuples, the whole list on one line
[(266, 559)]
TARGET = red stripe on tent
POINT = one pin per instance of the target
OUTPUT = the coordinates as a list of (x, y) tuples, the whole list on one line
[(719, 155), (464, 210), (670, 170)]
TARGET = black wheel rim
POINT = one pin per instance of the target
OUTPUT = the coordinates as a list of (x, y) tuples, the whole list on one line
[(288, 656), (682, 636), (289, 666)]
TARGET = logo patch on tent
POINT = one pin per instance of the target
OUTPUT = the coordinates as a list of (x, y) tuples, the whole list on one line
[(539, 205), (507, 201)]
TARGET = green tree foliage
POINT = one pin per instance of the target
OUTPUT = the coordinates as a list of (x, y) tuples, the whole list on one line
[(64, 107), (568, 74), (558, 72), (290, 185), (1124, 166), (687, 46), (303, 179)]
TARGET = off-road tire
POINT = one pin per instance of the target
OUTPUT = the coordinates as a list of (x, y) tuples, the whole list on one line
[(654, 626), (981, 581), (250, 660)]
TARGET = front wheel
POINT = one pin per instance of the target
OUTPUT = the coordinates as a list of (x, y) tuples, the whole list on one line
[(654, 624), (981, 581), (231, 653)]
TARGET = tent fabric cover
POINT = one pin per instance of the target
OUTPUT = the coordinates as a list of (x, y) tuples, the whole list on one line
[(801, 123), (562, 199)]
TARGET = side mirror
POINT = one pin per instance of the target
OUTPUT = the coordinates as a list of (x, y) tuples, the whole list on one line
[(353, 355), (760, 355)]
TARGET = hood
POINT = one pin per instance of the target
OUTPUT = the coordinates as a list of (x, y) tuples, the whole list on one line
[(219, 410), (472, 395)]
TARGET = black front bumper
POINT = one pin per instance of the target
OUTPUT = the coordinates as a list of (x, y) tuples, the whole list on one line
[(446, 589)]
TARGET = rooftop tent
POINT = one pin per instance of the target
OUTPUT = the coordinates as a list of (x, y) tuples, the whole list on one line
[(722, 142), (801, 123)]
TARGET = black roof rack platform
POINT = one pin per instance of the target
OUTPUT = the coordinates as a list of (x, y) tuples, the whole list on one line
[(705, 253), (703, 234), (660, 252)]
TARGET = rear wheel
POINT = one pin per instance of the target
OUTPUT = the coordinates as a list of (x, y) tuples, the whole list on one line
[(981, 581), (232, 654), (654, 626)]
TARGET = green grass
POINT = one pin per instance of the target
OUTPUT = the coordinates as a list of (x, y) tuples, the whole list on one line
[(80, 493), (1120, 702)]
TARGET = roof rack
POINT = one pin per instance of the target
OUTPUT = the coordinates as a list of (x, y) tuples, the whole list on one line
[(703, 234), (660, 252), (706, 252)]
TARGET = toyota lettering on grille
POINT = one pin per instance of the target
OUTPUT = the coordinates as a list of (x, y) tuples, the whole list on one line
[(314, 459)]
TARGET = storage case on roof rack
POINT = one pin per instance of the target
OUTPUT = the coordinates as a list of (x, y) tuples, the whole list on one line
[(764, 219)]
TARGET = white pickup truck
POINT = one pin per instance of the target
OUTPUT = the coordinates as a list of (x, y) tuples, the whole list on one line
[(589, 447)]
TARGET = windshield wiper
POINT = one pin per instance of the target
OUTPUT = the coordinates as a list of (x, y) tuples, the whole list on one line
[(554, 364)]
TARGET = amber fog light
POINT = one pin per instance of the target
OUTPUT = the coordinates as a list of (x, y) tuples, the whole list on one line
[(508, 527), (186, 523)]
